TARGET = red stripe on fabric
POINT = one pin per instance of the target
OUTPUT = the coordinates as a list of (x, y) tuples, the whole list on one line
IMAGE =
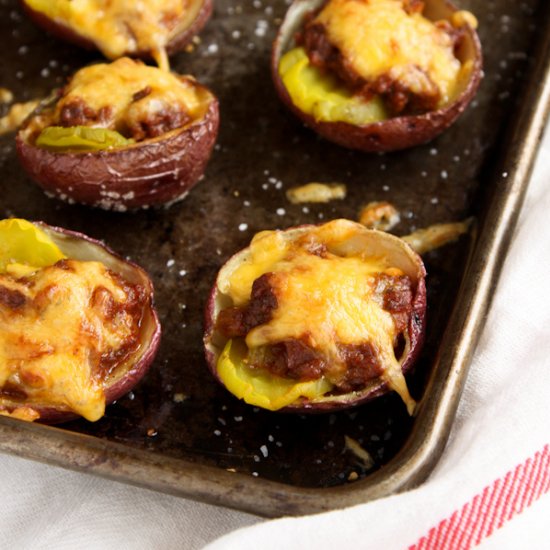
[(441, 533), (489, 510), (488, 499), (466, 524), (546, 485), (509, 503), (504, 500), (491, 517), (529, 490), (543, 475), (446, 530)]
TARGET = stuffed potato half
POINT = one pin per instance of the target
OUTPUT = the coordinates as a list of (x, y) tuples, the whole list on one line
[(377, 75), (121, 135), (78, 324), (317, 318)]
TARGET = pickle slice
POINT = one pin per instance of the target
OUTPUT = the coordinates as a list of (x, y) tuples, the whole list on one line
[(80, 138), (323, 96), (24, 247), (261, 388)]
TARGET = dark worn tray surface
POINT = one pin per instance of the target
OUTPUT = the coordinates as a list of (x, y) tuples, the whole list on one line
[(179, 411)]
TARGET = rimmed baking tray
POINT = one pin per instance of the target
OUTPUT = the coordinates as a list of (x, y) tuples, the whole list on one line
[(179, 432)]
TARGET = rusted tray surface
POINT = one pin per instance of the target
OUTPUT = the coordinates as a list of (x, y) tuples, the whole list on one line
[(179, 431)]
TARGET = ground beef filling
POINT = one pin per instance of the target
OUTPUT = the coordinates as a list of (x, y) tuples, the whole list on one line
[(77, 112), (298, 359), (399, 99), (146, 117), (111, 311)]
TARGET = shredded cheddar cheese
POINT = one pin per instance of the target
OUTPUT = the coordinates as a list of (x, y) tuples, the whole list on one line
[(58, 319)]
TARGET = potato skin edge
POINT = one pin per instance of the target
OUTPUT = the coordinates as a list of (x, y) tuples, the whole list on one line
[(146, 174)]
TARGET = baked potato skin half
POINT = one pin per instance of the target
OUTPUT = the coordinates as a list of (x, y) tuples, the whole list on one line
[(153, 172), (176, 43), (121, 136), (377, 387), (131, 370), (393, 133)]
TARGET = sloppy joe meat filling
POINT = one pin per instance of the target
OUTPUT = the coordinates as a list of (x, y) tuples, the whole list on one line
[(385, 48), (64, 329)]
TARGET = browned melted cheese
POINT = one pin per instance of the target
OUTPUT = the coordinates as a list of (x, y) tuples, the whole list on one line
[(126, 96), (62, 331), (17, 113), (380, 38)]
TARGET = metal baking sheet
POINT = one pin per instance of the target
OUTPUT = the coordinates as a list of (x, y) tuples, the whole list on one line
[(179, 431)]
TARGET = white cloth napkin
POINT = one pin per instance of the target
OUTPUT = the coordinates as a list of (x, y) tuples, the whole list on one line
[(491, 486)]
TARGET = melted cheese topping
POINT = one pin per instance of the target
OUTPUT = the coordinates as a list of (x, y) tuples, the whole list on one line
[(329, 300), (378, 37), (51, 346), (120, 27), (114, 86)]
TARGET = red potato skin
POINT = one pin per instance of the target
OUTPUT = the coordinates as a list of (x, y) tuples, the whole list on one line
[(176, 44), (417, 329), (50, 415), (153, 172), (394, 133)]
